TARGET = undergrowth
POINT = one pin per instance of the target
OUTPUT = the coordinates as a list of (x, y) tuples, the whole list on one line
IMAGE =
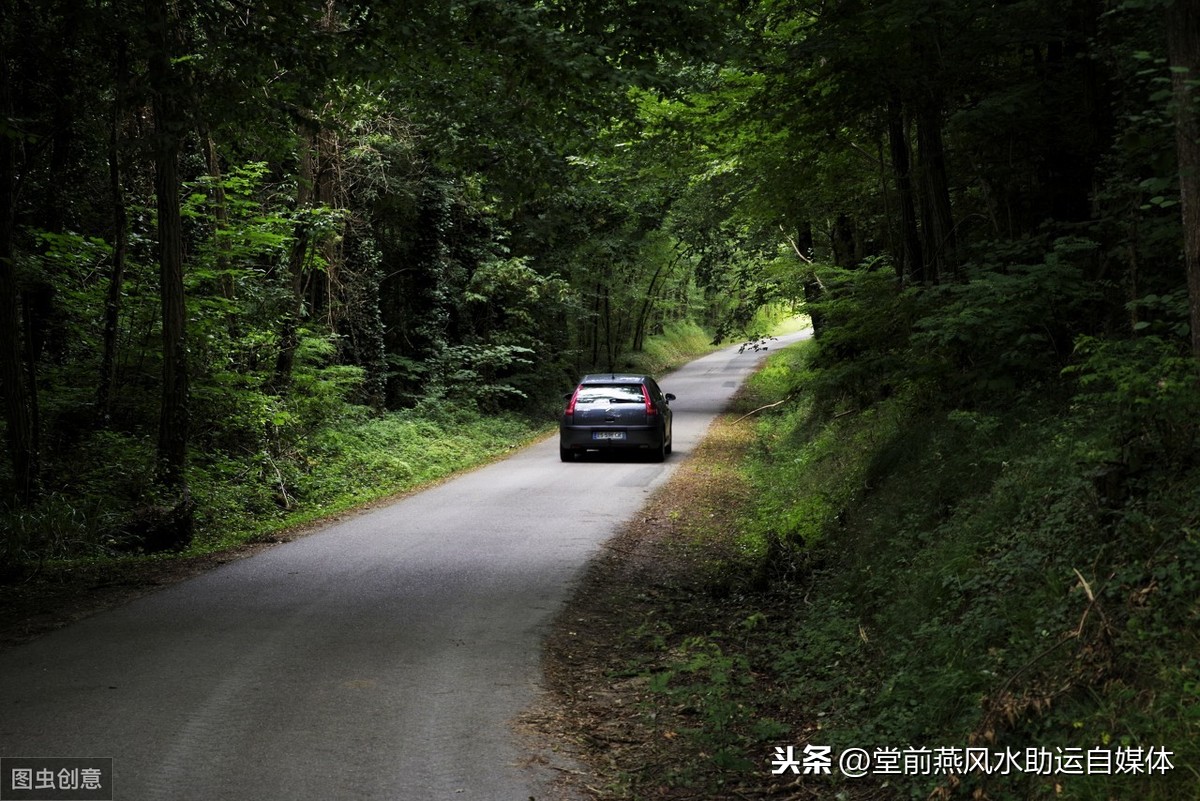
[(678, 344), (275, 464), (346, 461), (943, 553)]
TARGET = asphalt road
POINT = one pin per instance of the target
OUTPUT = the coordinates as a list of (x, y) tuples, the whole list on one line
[(382, 657)]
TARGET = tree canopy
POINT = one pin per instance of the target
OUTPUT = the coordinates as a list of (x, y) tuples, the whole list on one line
[(222, 222)]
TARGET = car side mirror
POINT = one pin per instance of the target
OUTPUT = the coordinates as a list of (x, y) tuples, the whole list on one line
[(669, 396)]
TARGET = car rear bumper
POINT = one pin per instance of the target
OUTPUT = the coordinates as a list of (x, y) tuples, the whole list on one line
[(579, 438)]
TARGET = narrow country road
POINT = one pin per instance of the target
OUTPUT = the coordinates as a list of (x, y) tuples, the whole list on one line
[(382, 657)]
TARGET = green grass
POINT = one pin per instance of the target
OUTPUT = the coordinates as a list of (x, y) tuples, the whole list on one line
[(965, 555), (777, 319), (351, 462), (319, 457), (679, 344), (353, 458), (947, 577)]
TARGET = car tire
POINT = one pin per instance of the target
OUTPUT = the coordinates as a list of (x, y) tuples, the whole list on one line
[(566, 454), (660, 453)]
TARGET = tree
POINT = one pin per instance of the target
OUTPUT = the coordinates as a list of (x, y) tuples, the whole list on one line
[(168, 88), (18, 416), (120, 238), (1183, 51), (18, 420)]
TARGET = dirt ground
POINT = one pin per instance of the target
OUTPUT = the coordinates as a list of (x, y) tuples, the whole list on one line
[(667, 572)]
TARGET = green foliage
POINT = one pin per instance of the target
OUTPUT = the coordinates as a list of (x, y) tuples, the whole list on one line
[(868, 318), (511, 362), (398, 234), (352, 458), (707, 677), (56, 528), (798, 500), (1015, 573), (1011, 322), (250, 233), (111, 476), (472, 373), (1147, 394), (990, 512), (678, 344), (1006, 327)]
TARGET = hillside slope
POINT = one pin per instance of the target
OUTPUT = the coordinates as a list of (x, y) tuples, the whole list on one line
[(1015, 577)]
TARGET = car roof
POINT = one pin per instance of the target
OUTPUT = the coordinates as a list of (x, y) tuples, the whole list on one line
[(613, 378)]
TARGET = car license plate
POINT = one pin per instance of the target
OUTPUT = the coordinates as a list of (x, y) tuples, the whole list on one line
[(608, 435)]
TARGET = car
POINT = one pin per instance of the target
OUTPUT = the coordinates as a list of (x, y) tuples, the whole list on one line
[(616, 411)]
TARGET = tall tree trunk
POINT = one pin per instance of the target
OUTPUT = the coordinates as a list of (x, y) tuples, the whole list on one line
[(609, 347), (595, 327), (1183, 50), (18, 415), (912, 262), (938, 220), (321, 283), (842, 242), (362, 324), (643, 317), (167, 94), (220, 206), (813, 291), (45, 331), (116, 278), (289, 334)]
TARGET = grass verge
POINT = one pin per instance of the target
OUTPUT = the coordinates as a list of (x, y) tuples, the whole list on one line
[(676, 346), (891, 577), (71, 556)]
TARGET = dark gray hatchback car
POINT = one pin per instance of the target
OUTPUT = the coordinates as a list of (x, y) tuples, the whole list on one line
[(615, 411)]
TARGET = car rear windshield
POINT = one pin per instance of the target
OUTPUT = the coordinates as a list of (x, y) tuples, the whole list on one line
[(618, 393)]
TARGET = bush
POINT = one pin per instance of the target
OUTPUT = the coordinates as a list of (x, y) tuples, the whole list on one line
[(1019, 572), (1147, 393), (1010, 323)]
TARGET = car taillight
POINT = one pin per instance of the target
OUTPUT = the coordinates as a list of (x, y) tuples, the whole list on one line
[(571, 403), (650, 410)]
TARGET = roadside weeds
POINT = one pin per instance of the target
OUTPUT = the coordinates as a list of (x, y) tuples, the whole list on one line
[(671, 590)]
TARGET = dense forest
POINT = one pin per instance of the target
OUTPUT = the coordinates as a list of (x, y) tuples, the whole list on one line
[(259, 260), (234, 236)]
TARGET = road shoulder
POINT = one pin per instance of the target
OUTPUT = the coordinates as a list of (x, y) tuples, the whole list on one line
[(664, 577)]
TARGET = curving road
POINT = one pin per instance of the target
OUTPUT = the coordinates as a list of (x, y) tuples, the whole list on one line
[(379, 658)]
